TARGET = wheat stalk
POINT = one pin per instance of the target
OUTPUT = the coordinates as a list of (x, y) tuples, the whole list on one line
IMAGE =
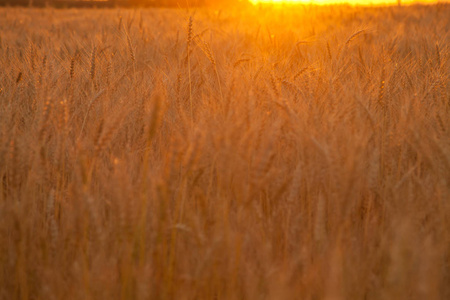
[(92, 67), (188, 49)]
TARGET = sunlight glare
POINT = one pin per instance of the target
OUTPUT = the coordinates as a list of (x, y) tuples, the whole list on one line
[(351, 2)]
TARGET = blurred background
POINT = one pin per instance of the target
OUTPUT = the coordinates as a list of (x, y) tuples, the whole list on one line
[(113, 3)]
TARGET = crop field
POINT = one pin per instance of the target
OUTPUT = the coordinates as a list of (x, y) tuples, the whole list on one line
[(258, 152)]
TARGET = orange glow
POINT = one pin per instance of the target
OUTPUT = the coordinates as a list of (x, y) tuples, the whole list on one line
[(351, 2)]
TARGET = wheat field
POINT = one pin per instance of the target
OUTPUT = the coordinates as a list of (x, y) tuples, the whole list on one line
[(267, 152)]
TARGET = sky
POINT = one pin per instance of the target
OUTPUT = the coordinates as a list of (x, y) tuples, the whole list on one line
[(364, 2)]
